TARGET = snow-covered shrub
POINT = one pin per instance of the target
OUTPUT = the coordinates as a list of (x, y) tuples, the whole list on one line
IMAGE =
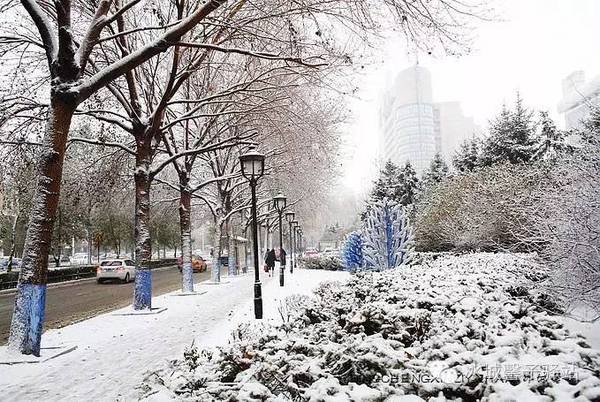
[(457, 320), (387, 236), (564, 225), (291, 306), (352, 251), (485, 210), (325, 263)]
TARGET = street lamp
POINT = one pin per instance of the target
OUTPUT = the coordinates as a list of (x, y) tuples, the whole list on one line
[(253, 167), (279, 202), (300, 245), (294, 227), (289, 216)]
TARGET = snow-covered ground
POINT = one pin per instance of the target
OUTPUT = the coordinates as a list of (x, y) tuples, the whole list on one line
[(471, 327), (114, 351), (451, 324)]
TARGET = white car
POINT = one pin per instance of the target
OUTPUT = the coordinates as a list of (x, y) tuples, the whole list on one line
[(116, 269)]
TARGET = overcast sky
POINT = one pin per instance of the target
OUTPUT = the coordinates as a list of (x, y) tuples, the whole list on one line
[(535, 45)]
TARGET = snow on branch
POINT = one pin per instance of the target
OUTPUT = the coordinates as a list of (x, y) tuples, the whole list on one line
[(103, 143), (261, 55), (45, 29), (98, 23), (143, 54), (219, 145)]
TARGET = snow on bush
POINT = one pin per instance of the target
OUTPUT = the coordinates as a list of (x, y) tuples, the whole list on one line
[(452, 328), (327, 263), (387, 236)]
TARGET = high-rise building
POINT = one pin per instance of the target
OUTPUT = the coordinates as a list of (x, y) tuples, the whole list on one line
[(407, 119), (453, 128), (414, 128), (578, 98)]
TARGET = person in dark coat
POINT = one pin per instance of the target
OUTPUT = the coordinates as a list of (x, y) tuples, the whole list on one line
[(282, 255), (270, 261)]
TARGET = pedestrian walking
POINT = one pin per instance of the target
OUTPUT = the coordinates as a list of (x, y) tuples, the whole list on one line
[(281, 254), (270, 261)]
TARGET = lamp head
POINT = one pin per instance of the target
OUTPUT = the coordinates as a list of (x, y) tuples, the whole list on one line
[(252, 164), (279, 202), (289, 216)]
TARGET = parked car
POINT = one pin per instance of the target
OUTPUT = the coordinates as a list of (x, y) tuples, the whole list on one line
[(208, 260), (199, 264), (121, 269)]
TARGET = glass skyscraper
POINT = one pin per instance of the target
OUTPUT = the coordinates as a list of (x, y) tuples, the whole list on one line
[(414, 128)]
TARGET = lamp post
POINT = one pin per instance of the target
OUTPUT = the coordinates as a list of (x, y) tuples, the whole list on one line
[(300, 245), (279, 202), (253, 167), (289, 216), (293, 236)]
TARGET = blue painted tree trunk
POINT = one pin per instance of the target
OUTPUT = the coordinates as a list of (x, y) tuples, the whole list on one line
[(142, 294), (28, 317)]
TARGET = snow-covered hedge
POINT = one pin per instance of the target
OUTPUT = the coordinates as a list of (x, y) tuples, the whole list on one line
[(465, 328), (325, 263)]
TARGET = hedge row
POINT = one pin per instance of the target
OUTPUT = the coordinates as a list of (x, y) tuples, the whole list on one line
[(324, 263)]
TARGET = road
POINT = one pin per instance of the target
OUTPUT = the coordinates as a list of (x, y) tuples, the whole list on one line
[(68, 303)]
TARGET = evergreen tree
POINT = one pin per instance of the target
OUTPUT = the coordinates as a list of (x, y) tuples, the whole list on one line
[(551, 140), (512, 136), (388, 183), (467, 158), (400, 185), (386, 186), (591, 127), (409, 185), (387, 236), (438, 170)]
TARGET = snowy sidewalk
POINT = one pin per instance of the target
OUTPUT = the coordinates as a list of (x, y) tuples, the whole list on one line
[(113, 352)]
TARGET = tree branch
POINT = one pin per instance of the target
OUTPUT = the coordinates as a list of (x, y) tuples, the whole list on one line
[(44, 27)]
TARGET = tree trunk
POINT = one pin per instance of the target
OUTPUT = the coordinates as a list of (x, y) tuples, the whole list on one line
[(28, 317), (57, 257), (12, 243), (231, 271), (88, 233), (142, 295), (266, 242), (216, 268), (185, 205)]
